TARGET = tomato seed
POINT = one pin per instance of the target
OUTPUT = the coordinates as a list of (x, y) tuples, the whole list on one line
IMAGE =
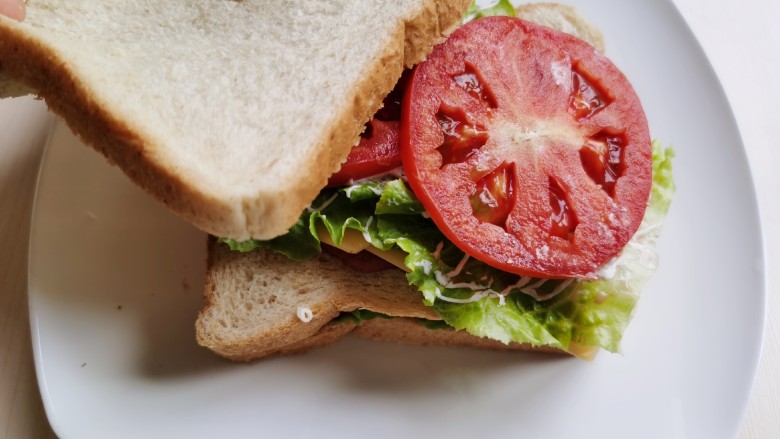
[(493, 199), (563, 221), (602, 158), (586, 98), (461, 139), (471, 81)]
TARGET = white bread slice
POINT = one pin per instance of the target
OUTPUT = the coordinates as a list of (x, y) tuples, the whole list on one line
[(252, 298), (563, 18), (232, 113)]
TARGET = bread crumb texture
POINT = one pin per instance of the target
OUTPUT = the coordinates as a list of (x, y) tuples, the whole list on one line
[(252, 300)]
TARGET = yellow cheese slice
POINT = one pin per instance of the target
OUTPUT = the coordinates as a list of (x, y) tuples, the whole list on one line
[(354, 242)]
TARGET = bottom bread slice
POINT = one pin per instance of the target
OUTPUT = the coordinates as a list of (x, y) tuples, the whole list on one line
[(260, 303)]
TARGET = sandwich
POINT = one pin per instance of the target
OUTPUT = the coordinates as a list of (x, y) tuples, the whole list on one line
[(240, 120), (507, 196)]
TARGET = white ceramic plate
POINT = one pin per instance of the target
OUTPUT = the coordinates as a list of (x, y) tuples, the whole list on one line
[(115, 284)]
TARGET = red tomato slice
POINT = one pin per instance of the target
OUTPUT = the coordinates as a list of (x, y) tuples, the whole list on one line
[(378, 152), (528, 149), (379, 148)]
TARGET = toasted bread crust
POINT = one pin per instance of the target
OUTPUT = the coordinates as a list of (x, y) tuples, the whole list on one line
[(328, 334), (262, 215)]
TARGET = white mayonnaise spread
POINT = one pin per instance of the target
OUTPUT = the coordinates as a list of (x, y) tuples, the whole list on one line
[(304, 314), (323, 205)]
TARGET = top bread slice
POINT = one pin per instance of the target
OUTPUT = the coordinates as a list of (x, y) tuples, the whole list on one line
[(232, 113)]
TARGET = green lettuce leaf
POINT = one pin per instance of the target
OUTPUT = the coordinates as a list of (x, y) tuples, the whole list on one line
[(495, 7), (574, 315)]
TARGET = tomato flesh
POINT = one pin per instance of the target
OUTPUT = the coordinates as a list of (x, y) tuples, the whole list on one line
[(528, 149), (461, 140), (491, 202), (378, 151)]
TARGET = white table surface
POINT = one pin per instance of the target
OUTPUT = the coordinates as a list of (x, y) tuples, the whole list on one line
[(741, 39)]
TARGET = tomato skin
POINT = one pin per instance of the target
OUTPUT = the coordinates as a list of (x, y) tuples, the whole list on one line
[(378, 151), (374, 155), (564, 117)]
